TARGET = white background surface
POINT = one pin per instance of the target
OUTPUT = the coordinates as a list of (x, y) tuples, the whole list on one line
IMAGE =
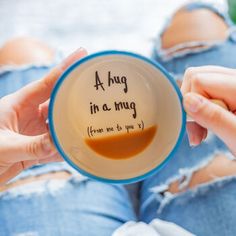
[(93, 24)]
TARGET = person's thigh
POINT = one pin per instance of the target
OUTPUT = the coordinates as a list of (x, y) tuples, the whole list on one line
[(196, 35), (62, 206), (25, 50), (180, 168), (189, 190)]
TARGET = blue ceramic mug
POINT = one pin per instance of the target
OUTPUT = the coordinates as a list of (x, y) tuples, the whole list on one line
[(116, 116)]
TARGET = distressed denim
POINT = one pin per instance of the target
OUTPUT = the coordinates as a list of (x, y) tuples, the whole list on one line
[(221, 53), (64, 207), (77, 206), (80, 206), (208, 209)]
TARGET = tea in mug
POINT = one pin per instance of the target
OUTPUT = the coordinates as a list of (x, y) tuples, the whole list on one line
[(121, 146)]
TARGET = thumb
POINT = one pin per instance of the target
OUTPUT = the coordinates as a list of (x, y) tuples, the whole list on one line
[(24, 148), (213, 117)]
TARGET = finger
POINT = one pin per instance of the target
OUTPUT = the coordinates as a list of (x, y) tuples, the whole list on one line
[(54, 158), (12, 172), (44, 109), (196, 133), (18, 167), (192, 72), (212, 69), (4, 168), (24, 148), (192, 75), (213, 86), (38, 147), (213, 117), (39, 91)]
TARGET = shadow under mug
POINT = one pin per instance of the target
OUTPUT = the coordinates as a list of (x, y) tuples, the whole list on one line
[(116, 116)]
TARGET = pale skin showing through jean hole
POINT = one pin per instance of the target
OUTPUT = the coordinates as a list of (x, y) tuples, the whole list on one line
[(219, 167), (25, 50), (189, 26)]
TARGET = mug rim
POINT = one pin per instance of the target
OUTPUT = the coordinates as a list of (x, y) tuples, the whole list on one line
[(53, 132)]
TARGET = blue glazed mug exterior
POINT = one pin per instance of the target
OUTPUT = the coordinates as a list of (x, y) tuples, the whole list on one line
[(130, 56)]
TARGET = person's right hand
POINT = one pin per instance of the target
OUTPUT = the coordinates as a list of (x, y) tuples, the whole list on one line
[(201, 84)]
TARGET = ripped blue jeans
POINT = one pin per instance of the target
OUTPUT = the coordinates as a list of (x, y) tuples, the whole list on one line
[(79, 206)]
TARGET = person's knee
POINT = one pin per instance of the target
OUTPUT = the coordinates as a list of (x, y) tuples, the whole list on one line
[(25, 50), (219, 167), (200, 24)]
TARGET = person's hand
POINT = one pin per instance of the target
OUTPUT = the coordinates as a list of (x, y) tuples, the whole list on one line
[(200, 85), (24, 137)]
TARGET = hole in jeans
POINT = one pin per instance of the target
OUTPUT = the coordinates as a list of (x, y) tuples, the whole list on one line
[(59, 175), (25, 50), (199, 25), (219, 167)]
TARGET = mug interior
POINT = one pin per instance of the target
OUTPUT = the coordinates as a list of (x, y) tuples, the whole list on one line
[(73, 113)]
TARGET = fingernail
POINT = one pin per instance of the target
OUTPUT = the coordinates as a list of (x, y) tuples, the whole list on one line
[(204, 136), (191, 140), (68, 60), (192, 102), (80, 49)]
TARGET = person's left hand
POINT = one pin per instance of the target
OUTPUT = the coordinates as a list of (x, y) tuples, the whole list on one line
[(24, 137)]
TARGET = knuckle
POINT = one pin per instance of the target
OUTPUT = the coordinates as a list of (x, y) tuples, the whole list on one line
[(196, 81), (194, 77), (215, 117), (48, 80), (33, 149), (46, 83), (5, 162), (190, 72)]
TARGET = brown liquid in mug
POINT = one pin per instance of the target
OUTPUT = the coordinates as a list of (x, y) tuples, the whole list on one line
[(122, 146)]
